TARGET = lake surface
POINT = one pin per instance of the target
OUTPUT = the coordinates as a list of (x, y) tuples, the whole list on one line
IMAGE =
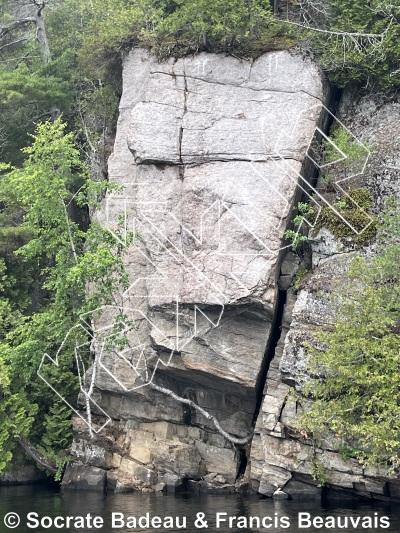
[(119, 512)]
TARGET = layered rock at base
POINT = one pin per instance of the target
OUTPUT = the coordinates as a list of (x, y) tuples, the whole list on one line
[(22, 475), (282, 455), (208, 152), (22, 471)]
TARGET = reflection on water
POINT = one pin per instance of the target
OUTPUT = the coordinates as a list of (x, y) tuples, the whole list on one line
[(272, 516)]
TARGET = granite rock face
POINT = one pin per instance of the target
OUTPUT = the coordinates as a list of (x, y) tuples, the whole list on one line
[(282, 456), (22, 475), (208, 152), (21, 471)]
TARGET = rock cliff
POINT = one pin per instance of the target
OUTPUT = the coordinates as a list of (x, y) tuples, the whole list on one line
[(208, 152), (212, 153), (282, 457)]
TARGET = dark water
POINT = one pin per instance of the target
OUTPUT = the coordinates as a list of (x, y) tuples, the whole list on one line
[(51, 504)]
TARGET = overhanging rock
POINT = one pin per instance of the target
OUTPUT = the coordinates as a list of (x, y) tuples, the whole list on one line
[(209, 151)]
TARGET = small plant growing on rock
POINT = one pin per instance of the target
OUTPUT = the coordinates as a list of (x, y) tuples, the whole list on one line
[(341, 167), (319, 472), (347, 452), (295, 238), (305, 213), (61, 464), (299, 277)]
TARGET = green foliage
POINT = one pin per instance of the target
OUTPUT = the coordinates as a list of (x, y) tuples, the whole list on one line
[(42, 187), (31, 89), (113, 26), (66, 259), (370, 60), (295, 238), (25, 96), (299, 277), (347, 452), (351, 212), (354, 367), (16, 412), (305, 214), (305, 211), (216, 25), (61, 464), (376, 64), (104, 28), (85, 59), (342, 157), (179, 27), (319, 472)]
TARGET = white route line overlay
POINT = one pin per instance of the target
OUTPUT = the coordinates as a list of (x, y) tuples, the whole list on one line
[(178, 256), (310, 191)]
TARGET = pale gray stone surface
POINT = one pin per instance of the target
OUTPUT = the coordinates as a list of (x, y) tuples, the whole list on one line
[(208, 151)]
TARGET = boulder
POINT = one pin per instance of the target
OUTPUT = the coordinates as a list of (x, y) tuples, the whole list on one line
[(208, 153), (84, 477)]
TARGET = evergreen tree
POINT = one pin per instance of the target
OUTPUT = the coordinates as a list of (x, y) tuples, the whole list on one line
[(51, 184), (356, 373)]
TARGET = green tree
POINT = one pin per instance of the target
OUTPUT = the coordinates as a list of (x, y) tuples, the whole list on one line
[(355, 370), (215, 25), (26, 97), (65, 257), (177, 27), (356, 42)]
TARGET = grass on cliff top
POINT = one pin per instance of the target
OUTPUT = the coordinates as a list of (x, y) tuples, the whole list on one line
[(363, 48)]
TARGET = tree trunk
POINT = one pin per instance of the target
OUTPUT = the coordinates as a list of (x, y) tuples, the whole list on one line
[(36, 455), (41, 37)]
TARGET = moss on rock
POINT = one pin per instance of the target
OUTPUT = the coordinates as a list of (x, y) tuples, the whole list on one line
[(354, 209)]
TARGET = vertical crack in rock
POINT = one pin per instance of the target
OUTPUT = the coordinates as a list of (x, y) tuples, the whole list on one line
[(181, 173), (213, 239), (274, 338), (180, 147), (186, 94), (244, 452), (311, 173), (282, 455)]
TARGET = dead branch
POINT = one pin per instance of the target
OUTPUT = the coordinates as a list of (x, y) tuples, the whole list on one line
[(36, 455), (206, 414), (339, 33)]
